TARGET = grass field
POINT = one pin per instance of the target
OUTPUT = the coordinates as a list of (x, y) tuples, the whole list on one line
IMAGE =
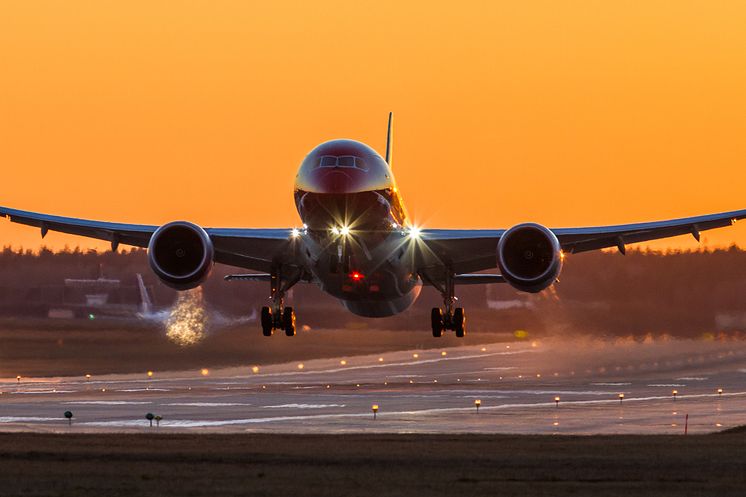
[(351, 465)]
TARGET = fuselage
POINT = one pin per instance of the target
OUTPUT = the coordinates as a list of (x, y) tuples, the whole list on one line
[(355, 243)]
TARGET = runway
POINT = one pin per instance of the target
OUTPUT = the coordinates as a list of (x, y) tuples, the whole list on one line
[(416, 391)]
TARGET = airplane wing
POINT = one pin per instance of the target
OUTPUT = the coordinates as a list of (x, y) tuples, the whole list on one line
[(254, 249), (474, 250)]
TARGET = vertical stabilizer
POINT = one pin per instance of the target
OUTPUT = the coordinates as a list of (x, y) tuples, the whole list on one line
[(390, 140), (146, 305)]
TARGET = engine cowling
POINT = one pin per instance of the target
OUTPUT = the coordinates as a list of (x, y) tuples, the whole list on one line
[(530, 257), (181, 254)]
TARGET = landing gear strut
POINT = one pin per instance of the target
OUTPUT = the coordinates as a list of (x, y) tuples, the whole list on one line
[(448, 318), (279, 317)]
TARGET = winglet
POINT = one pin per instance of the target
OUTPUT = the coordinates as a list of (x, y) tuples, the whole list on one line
[(390, 140)]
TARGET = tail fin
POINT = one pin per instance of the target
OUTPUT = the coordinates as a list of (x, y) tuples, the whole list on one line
[(146, 305), (390, 140)]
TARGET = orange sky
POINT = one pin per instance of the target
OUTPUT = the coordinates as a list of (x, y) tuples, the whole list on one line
[(564, 113)]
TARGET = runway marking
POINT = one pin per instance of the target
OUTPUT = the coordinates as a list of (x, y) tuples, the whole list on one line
[(388, 365), (130, 390), (228, 422), (304, 406), (21, 419), (106, 402), (42, 392), (206, 404)]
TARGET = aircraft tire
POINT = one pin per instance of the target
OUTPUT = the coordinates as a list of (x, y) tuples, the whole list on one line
[(436, 320), (266, 319), (288, 321), (459, 322)]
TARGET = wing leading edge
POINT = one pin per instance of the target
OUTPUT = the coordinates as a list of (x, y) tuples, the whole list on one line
[(463, 251), (255, 249), (474, 250)]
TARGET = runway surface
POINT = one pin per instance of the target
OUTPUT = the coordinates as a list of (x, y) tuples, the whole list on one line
[(416, 391)]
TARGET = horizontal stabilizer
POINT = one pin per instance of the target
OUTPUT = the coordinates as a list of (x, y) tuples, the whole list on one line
[(248, 277)]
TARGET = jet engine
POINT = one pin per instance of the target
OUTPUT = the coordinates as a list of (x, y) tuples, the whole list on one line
[(181, 254), (530, 257)]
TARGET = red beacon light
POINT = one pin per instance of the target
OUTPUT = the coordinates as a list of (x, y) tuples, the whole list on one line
[(356, 276)]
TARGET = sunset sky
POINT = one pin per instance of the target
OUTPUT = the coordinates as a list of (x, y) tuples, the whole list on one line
[(563, 113)]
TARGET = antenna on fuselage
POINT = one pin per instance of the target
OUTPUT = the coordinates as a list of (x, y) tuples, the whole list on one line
[(390, 140)]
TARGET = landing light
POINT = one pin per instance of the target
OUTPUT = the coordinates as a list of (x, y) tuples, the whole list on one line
[(344, 230), (414, 233), (295, 233)]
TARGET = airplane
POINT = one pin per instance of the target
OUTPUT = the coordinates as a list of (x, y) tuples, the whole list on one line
[(357, 244)]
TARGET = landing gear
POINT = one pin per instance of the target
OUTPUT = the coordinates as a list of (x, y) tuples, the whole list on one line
[(449, 318), (279, 317)]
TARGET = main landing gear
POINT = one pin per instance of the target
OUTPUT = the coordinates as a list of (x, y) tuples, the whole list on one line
[(449, 318), (282, 319), (277, 316)]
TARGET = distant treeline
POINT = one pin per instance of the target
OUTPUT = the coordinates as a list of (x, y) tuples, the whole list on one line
[(680, 293)]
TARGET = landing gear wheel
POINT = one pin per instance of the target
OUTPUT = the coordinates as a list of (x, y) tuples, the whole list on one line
[(436, 319), (267, 324), (459, 322), (288, 321)]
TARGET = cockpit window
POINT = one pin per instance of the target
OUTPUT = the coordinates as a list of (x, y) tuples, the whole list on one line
[(343, 161), (328, 161), (346, 161)]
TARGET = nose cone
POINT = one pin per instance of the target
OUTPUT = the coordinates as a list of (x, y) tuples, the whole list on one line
[(343, 167)]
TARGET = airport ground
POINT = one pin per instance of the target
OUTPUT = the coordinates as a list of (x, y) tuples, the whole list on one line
[(294, 415), (182, 464)]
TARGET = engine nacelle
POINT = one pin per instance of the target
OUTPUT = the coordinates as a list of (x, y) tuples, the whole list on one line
[(530, 257), (181, 254)]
